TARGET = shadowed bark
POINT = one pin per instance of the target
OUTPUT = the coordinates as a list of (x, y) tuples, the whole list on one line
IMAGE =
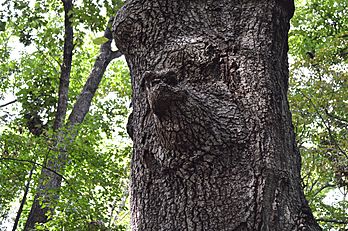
[(214, 147)]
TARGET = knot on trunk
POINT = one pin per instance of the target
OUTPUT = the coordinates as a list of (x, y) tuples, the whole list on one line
[(163, 90)]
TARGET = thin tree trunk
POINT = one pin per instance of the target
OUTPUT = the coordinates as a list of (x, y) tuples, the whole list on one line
[(26, 191), (65, 68), (49, 181), (214, 147)]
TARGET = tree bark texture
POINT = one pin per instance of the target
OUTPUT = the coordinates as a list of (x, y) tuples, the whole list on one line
[(65, 69), (214, 147)]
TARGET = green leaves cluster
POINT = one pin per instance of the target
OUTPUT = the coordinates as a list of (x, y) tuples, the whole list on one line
[(95, 179), (318, 99)]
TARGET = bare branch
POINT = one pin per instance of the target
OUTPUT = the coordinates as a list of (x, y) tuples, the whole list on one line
[(6, 104), (83, 102), (115, 55), (35, 163), (121, 206), (332, 221), (327, 185), (336, 117)]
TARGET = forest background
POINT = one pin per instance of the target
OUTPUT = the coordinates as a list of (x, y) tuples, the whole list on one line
[(94, 189)]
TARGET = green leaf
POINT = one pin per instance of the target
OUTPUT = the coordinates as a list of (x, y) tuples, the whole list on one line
[(100, 40)]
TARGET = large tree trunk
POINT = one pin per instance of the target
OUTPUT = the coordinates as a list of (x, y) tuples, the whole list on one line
[(214, 147)]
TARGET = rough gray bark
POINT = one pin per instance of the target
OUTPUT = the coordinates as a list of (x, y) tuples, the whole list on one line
[(50, 181), (214, 147), (65, 68)]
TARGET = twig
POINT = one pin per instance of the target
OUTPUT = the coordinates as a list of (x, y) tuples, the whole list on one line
[(326, 126), (336, 117), (120, 206), (35, 163), (327, 185), (6, 104), (333, 221)]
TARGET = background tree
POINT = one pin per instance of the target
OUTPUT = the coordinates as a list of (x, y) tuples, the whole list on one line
[(213, 142), (318, 97), (90, 168)]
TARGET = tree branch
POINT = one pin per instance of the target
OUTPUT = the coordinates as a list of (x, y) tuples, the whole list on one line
[(336, 117), (326, 126), (35, 163), (327, 185), (115, 55), (120, 206), (83, 102), (332, 221), (6, 104)]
